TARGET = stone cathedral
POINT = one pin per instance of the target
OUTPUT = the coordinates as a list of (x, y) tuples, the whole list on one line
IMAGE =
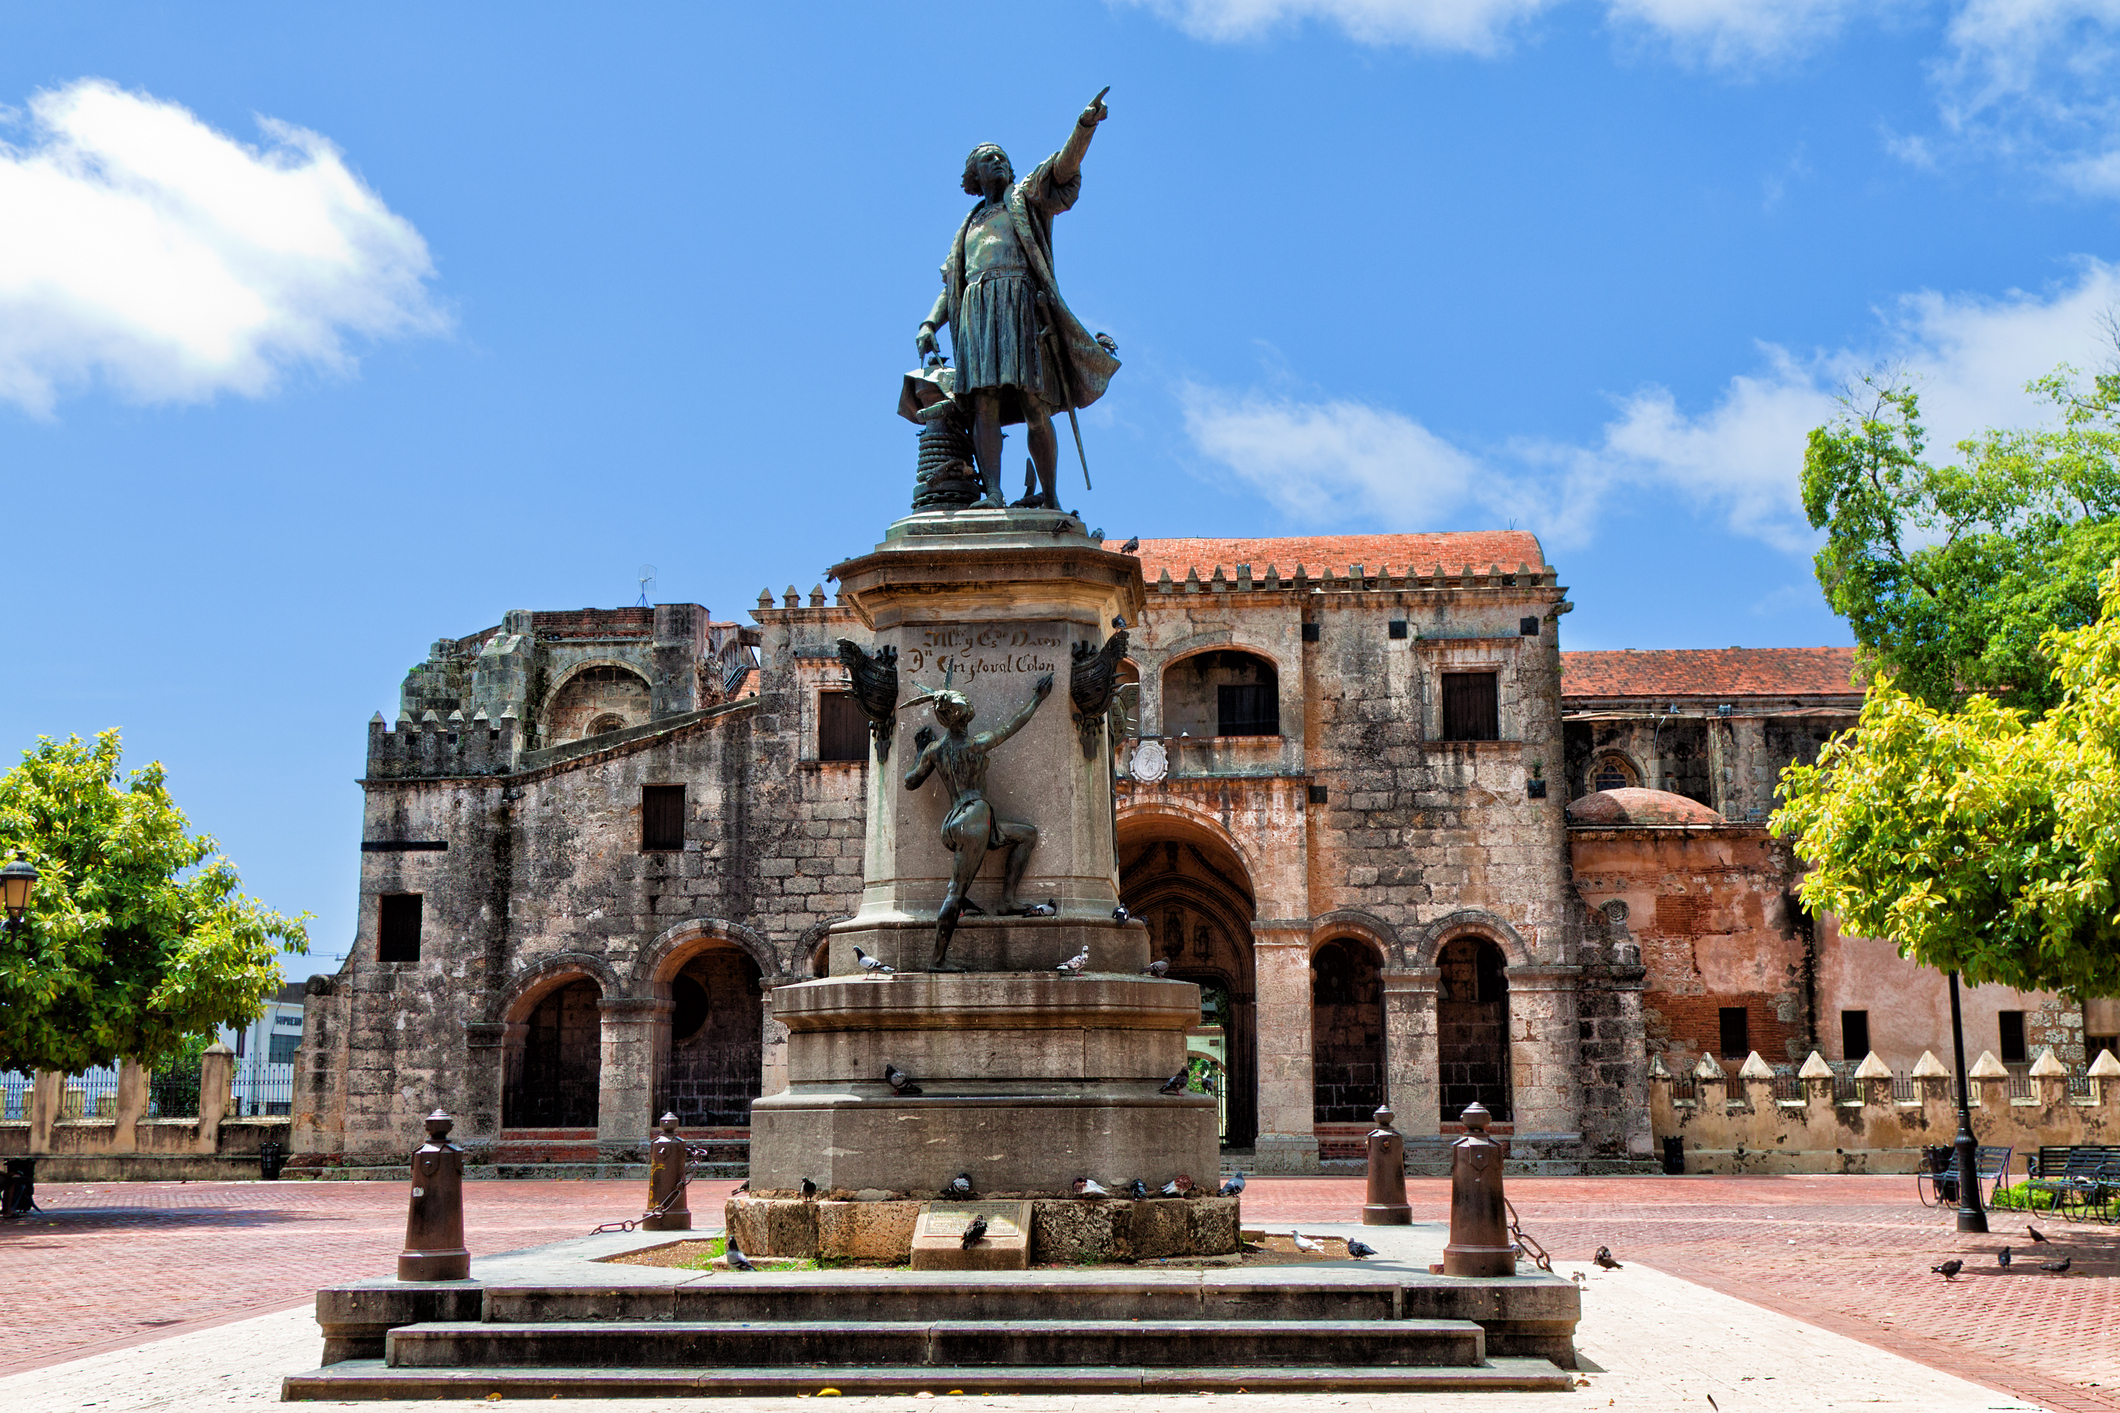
[(1411, 852)]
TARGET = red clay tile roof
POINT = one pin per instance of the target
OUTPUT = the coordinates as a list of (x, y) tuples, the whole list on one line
[(1639, 807), (1710, 672), (1386, 553)]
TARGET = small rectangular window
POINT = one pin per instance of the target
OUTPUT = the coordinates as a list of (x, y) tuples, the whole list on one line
[(1854, 1034), (1247, 709), (1397, 627), (281, 1051), (842, 731), (1310, 632), (1318, 795), (1471, 707), (662, 817), (241, 1037), (397, 933), (1527, 627), (1736, 1032), (2012, 1026)]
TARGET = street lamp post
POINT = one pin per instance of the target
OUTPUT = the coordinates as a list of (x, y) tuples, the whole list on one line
[(17, 879), (1971, 1215)]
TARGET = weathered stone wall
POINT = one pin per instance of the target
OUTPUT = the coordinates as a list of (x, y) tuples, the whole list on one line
[(1711, 911), (542, 880)]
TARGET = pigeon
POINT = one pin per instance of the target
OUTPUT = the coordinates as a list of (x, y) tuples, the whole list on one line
[(1090, 1187), (1304, 1243), (1132, 546), (2037, 1235), (1159, 968), (960, 1186), (1073, 965), (744, 1186), (1105, 342), (2057, 1267), (1178, 1186), (2002, 1258), (1118, 620), (1360, 1250), (1234, 1186), (901, 1083), (1040, 910), (1061, 527), (809, 1190), (1097, 534), (1120, 914), (873, 967), (1604, 1258), (1949, 1269), (1138, 1190), (1174, 1085), (975, 1233), (738, 1261)]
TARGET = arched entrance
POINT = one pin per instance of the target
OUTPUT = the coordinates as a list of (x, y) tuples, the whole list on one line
[(1346, 1033), (712, 1066), (1192, 890), (1472, 1028), (554, 1057)]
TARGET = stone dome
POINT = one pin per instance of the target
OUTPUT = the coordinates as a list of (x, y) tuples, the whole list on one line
[(1639, 807)]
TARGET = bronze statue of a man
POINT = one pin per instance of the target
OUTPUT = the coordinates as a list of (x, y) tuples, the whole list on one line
[(971, 827), (1021, 355)]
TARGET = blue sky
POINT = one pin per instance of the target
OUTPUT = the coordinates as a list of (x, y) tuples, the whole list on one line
[(324, 334)]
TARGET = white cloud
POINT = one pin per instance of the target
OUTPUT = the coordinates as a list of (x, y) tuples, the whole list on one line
[(140, 245), (1472, 26), (1736, 33), (1334, 461)]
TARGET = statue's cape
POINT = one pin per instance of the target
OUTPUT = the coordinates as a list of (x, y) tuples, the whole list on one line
[(1031, 203)]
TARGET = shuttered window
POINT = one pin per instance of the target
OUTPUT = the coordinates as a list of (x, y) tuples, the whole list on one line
[(842, 731), (1471, 707), (662, 817), (2011, 1026), (397, 937)]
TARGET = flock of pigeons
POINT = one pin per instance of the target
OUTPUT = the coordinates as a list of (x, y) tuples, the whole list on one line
[(1073, 966), (1949, 1269)]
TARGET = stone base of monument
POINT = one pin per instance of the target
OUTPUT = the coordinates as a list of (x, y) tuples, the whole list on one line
[(991, 944), (565, 1321), (1061, 1231), (1029, 1080)]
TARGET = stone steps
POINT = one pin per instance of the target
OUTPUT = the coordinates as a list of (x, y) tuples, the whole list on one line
[(968, 1297), (961, 1344), (368, 1379)]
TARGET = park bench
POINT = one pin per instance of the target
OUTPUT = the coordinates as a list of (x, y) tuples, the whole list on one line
[(2083, 1178), (1936, 1184)]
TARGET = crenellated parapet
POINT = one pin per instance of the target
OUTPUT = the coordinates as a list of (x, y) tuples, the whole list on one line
[(1357, 578), (434, 748)]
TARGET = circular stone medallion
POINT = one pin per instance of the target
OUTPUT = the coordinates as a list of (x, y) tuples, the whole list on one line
[(1149, 761)]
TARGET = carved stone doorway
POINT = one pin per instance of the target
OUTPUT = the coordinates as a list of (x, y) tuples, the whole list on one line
[(1196, 897)]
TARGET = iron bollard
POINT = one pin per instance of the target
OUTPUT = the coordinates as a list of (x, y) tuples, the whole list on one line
[(668, 1171), (1479, 1213), (1387, 1176), (270, 1160), (434, 1227)]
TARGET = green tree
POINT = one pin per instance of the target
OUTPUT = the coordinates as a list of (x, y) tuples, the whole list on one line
[(137, 938), (1951, 575), (1984, 840)]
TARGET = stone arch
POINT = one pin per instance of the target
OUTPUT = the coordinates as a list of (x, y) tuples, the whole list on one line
[(1610, 760), (1473, 1051), (666, 955), (1378, 934), (1346, 1029), (1183, 818), (1428, 943), (1217, 688), (530, 984), (565, 714)]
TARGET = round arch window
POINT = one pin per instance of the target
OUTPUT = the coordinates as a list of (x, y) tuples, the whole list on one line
[(1613, 771)]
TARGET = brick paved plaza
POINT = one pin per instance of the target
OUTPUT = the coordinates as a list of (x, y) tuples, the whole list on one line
[(111, 1266)]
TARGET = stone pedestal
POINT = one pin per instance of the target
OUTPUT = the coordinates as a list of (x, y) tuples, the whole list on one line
[(1030, 1078)]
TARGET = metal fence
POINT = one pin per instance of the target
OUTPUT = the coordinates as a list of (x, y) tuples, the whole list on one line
[(173, 1091), (261, 1089), (15, 1088), (92, 1094)]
